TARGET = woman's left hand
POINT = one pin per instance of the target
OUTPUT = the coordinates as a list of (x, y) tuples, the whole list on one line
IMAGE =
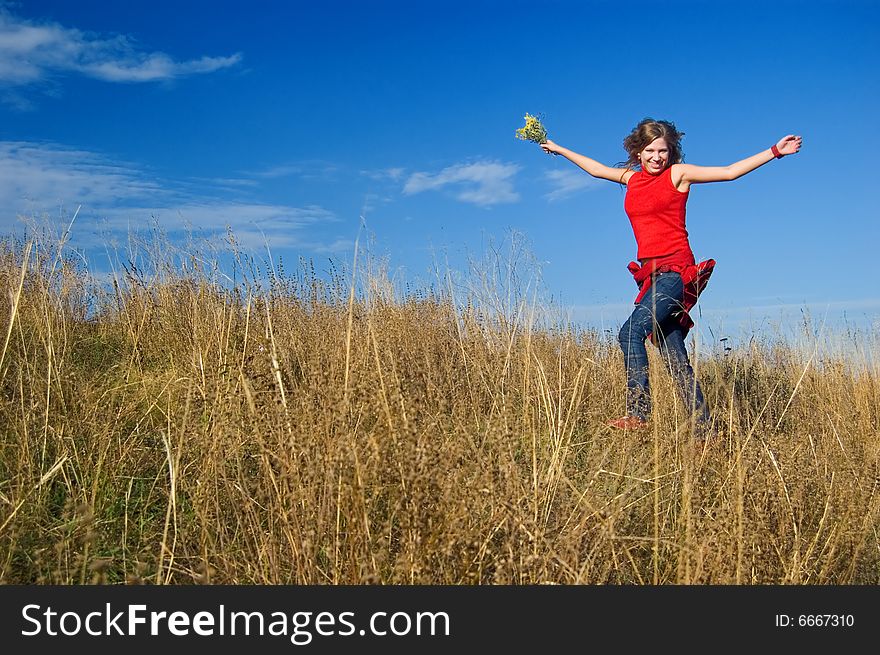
[(789, 145)]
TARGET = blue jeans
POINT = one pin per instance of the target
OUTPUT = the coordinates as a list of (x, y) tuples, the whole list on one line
[(658, 312)]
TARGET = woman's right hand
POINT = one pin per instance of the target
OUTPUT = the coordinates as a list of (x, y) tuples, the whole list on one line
[(550, 148)]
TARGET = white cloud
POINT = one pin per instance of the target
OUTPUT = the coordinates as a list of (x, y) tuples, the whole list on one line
[(210, 215), (307, 170), (32, 51), (36, 176), (229, 184), (384, 180), (153, 67), (393, 174), (568, 183), (816, 307), (486, 183), (283, 170), (39, 179)]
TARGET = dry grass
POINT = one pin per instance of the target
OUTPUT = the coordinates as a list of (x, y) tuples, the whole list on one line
[(181, 428)]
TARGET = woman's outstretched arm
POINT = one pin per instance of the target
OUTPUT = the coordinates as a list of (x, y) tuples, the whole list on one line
[(591, 166), (686, 174)]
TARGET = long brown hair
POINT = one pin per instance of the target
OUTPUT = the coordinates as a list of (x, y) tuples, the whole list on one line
[(644, 133)]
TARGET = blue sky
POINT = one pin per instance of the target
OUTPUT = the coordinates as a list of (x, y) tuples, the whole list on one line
[(289, 121)]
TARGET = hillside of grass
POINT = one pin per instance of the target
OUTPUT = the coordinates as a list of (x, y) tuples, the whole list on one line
[(177, 424)]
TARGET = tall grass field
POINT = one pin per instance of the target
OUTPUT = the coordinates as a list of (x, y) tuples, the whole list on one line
[(181, 422)]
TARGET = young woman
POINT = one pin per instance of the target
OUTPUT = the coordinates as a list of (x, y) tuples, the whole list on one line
[(669, 279)]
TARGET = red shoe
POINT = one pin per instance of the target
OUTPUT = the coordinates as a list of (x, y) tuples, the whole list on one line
[(628, 423)]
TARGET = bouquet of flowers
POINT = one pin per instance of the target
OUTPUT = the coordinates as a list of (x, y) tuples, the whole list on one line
[(533, 130)]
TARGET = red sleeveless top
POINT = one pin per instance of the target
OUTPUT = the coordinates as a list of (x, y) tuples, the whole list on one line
[(656, 210)]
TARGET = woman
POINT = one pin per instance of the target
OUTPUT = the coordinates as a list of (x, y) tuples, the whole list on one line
[(669, 280)]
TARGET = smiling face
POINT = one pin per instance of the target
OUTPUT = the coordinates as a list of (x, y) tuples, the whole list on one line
[(654, 158), (653, 146)]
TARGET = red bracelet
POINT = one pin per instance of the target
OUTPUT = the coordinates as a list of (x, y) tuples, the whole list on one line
[(776, 152)]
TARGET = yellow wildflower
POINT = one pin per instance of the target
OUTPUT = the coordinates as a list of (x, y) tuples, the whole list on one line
[(533, 130)]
